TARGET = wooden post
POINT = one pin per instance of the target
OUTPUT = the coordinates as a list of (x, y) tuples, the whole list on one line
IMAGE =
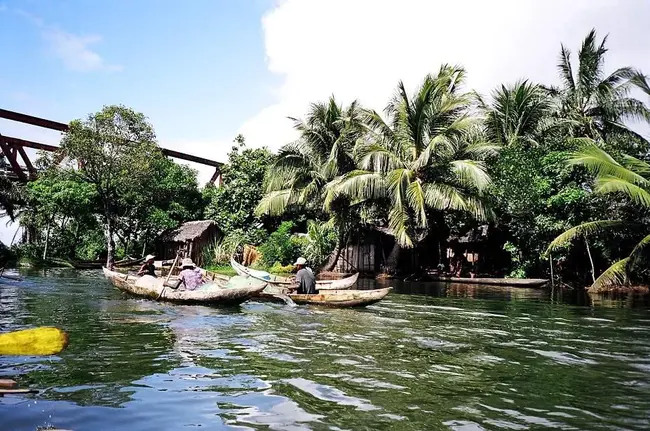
[(550, 261)]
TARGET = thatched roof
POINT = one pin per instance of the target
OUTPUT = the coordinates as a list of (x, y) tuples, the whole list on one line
[(188, 231)]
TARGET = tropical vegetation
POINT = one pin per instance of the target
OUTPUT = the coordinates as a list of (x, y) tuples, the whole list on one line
[(535, 165)]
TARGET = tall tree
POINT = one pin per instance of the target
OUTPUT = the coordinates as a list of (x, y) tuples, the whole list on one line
[(597, 104), (630, 177), (301, 171), (427, 155), (115, 149)]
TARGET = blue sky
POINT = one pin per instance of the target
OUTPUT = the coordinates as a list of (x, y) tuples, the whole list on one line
[(187, 65), (205, 70)]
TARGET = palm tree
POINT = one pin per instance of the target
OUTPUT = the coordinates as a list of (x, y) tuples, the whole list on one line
[(427, 155), (630, 177), (597, 104), (302, 169), (518, 113)]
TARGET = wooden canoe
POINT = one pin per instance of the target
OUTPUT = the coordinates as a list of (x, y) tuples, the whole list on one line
[(523, 282), (275, 280), (223, 296), (342, 298)]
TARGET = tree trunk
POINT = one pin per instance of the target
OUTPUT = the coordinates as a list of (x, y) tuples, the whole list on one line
[(591, 261), (393, 259), (334, 257), (47, 239), (110, 244)]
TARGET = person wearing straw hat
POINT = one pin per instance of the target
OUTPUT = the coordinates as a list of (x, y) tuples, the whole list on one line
[(148, 268), (190, 276), (305, 277)]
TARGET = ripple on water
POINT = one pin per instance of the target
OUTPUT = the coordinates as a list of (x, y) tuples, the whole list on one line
[(328, 393)]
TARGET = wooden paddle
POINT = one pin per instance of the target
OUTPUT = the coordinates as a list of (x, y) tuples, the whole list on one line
[(31, 342), (168, 277)]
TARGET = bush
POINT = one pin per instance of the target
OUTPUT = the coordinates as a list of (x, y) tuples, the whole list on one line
[(280, 247)]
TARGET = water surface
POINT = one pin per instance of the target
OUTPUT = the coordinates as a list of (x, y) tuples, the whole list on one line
[(433, 357)]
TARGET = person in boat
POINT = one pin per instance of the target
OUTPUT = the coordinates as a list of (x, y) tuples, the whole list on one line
[(305, 279), (148, 267), (190, 276)]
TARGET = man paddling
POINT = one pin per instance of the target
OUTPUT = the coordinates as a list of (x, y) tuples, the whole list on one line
[(190, 276), (305, 277), (148, 268)]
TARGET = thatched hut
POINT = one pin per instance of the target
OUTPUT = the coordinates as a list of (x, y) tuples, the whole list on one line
[(191, 238)]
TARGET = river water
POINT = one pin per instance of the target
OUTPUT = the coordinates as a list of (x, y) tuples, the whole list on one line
[(428, 357)]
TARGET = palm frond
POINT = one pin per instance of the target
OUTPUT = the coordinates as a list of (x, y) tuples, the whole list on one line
[(614, 184), (415, 199), (600, 163), (471, 173), (585, 229), (638, 248), (566, 72), (615, 275), (275, 203)]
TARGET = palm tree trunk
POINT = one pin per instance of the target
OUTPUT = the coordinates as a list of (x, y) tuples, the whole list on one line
[(47, 239), (591, 260), (336, 254), (110, 243)]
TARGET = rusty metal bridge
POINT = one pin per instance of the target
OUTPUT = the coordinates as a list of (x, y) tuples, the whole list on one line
[(13, 149)]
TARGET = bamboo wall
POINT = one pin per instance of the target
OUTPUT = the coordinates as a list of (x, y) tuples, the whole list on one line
[(357, 258)]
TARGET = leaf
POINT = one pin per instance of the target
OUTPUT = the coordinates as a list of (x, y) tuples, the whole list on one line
[(585, 229), (615, 275)]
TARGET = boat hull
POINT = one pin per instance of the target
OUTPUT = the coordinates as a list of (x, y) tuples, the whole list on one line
[(521, 282), (227, 296), (342, 298), (274, 280)]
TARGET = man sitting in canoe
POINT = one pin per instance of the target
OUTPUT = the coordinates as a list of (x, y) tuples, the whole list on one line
[(148, 267), (305, 278), (190, 276)]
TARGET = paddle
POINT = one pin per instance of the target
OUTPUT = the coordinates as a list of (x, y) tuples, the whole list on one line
[(168, 277), (31, 342)]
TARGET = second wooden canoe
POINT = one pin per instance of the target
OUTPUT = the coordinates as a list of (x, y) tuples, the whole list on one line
[(341, 284), (342, 298)]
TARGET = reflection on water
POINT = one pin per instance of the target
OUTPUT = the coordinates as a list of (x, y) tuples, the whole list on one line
[(428, 357)]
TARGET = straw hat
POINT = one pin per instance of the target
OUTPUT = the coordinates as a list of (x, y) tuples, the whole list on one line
[(187, 262), (149, 257), (301, 261)]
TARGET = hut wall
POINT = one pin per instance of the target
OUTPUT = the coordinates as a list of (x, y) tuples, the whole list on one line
[(357, 258), (194, 248)]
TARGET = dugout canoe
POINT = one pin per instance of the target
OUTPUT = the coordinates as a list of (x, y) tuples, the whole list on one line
[(275, 280), (152, 290), (342, 298), (513, 282)]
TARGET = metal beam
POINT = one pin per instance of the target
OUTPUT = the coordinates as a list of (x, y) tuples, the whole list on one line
[(10, 154), (34, 121), (54, 125), (28, 163)]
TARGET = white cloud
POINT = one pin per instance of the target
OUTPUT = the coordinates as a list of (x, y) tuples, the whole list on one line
[(75, 50), (362, 48)]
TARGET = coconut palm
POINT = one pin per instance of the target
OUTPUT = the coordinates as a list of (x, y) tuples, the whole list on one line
[(518, 113), (630, 177), (426, 155), (302, 169), (596, 103)]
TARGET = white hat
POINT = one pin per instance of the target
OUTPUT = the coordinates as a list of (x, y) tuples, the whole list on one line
[(149, 257), (301, 261), (187, 262)]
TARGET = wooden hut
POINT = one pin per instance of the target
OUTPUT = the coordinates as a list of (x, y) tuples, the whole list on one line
[(190, 238)]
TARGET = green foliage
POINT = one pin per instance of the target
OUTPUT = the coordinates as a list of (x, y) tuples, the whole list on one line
[(427, 156), (319, 243), (232, 205), (279, 247)]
